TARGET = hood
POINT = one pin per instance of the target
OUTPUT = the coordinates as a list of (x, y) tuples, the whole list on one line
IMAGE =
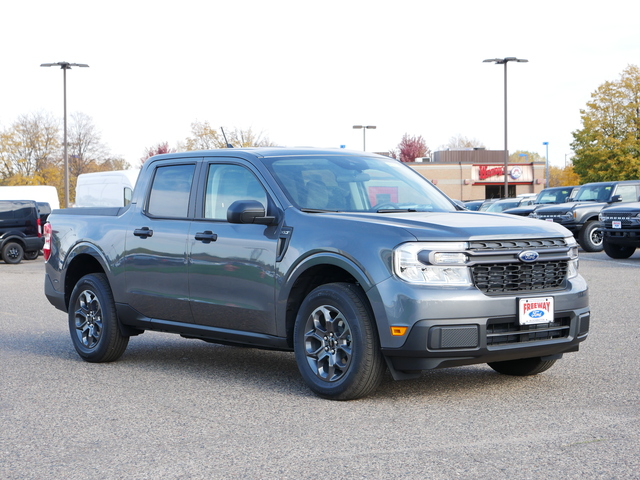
[(622, 207), (457, 226), (565, 207)]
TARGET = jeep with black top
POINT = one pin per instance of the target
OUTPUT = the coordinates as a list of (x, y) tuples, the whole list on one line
[(20, 230), (621, 229), (580, 213)]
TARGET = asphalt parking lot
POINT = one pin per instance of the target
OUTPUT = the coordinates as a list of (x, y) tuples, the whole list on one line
[(184, 409)]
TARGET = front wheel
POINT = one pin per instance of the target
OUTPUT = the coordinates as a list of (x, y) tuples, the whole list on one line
[(93, 322), (336, 343), (590, 236), (522, 367), (618, 251)]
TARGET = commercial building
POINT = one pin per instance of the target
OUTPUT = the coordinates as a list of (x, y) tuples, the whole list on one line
[(477, 174)]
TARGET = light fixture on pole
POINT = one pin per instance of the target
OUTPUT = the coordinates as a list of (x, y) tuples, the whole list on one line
[(504, 61), (546, 144), (65, 66), (364, 130)]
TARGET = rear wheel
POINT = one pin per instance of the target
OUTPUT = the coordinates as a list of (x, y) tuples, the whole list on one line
[(522, 367), (12, 252), (32, 255), (618, 251), (590, 237), (93, 322), (336, 343)]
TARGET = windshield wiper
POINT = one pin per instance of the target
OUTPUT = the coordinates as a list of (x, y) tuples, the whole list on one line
[(394, 210), (317, 210)]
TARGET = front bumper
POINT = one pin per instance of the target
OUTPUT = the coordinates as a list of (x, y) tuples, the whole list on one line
[(623, 237), (453, 327)]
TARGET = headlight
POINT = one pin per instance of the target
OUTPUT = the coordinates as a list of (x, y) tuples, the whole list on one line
[(533, 215), (573, 254), (601, 217), (432, 263)]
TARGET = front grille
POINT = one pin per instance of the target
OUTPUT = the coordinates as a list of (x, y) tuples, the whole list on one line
[(501, 332), (519, 277)]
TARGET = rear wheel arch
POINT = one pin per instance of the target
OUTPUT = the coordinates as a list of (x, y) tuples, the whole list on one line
[(83, 262)]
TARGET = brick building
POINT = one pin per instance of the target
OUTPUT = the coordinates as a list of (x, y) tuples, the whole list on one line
[(477, 174)]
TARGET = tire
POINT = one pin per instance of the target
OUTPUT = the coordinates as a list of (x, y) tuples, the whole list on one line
[(12, 253), (32, 255), (590, 236), (93, 322), (336, 343), (522, 367), (618, 251)]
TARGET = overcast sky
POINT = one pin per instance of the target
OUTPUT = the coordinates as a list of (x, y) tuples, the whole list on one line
[(303, 73)]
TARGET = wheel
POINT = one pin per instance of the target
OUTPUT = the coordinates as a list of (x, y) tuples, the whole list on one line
[(12, 252), (93, 322), (590, 237), (523, 366), (336, 343), (618, 251), (32, 255)]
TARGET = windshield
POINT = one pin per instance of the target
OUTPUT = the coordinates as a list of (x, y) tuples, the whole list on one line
[(554, 195), (594, 193), (502, 206), (355, 184)]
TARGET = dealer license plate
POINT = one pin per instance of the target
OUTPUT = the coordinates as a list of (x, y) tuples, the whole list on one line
[(616, 224), (533, 311)]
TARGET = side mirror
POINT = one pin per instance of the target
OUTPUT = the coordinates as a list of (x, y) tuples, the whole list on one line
[(616, 198), (569, 200), (248, 211)]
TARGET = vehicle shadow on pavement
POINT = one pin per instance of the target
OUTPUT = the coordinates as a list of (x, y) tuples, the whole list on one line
[(181, 360)]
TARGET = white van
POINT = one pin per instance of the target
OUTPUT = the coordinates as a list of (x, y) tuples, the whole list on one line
[(38, 193), (106, 189)]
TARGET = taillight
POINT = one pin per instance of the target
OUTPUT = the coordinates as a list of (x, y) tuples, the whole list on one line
[(39, 228), (46, 250)]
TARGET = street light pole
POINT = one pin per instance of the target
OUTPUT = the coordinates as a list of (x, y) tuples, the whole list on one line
[(364, 130), (504, 61), (546, 144), (65, 66)]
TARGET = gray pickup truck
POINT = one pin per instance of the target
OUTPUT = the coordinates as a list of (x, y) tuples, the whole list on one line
[(580, 213), (353, 261), (621, 229)]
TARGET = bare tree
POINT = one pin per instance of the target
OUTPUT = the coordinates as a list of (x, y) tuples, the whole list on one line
[(29, 146), (460, 142), (85, 149), (204, 137)]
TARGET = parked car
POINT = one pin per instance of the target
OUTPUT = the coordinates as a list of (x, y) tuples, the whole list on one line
[(20, 230), (580, 213), (473, 205), (548, 196), (620, 229), (507, 203)]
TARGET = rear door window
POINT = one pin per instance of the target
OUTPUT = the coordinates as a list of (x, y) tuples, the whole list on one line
[(170, 192)]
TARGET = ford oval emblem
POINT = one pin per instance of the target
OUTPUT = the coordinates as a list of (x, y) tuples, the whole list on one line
[(536, 313), (528, 256)]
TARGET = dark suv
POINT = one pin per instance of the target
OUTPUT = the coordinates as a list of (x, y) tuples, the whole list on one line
[(20, 230)]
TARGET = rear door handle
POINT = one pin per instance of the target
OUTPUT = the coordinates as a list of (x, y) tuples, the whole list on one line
[(143, 232), (206, 236)]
